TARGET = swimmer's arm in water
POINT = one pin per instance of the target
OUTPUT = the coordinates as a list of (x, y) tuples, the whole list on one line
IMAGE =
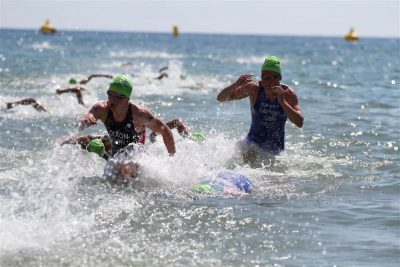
[(183, 130), (27, 101), (95, 76), (76, 90), (163, 69), (84, 140), (147, 119), (238, 90), (70, 90), (98, 111), (79, 96), (81, 140), (181, 127), (127, 64)]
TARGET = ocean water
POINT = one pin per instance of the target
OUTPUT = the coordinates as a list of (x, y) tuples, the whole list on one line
[(331, 199)]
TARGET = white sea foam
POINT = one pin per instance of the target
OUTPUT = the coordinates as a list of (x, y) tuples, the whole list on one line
[(41, 46), (145, 54), (328, 187)]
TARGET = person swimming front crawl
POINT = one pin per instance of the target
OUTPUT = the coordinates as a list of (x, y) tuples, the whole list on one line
[(27, 101)]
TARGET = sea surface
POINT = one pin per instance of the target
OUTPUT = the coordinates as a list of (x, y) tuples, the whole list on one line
[(330, 199)]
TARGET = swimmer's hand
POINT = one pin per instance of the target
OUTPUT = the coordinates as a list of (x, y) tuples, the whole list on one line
[(86, 121), (9, 105), (244, 79), (277, 93)]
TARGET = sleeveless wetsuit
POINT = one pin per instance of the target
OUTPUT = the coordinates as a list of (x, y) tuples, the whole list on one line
[(122, 133), (267, 123)]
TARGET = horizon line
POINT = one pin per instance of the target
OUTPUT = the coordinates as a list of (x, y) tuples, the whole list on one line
[(202, 33)]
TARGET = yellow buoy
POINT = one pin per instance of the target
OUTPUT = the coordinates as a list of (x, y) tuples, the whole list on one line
[(47, 27), (175, 31), (351, 36)]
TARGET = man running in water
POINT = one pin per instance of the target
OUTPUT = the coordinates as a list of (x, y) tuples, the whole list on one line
[(125, 122), (272, 103)]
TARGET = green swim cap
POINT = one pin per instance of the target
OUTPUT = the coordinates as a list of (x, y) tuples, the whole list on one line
[(121, 85), (203, 188), (272, 63), (96, 146), (72, 81), (197, 136)]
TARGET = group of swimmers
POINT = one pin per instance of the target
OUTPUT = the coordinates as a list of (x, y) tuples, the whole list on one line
[(271, 102), (75, 88)]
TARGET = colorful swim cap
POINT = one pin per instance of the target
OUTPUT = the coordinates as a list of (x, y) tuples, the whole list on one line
[(121, 85), (72, 81), (197, 136), (272, 63), (96, 146), (203, 188)]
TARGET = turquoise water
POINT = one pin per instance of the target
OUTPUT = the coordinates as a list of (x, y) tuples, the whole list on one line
[(331, 199)]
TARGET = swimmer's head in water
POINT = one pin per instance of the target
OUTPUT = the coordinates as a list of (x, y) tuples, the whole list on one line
[(121, 85), (203, 188), (72, 81), (197, 136), (96, 146)]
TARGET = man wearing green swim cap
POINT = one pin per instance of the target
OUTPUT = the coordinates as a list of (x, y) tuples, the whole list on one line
[(125, 122), (272, 103), (96, 146), (90, 143), (72, 81)]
